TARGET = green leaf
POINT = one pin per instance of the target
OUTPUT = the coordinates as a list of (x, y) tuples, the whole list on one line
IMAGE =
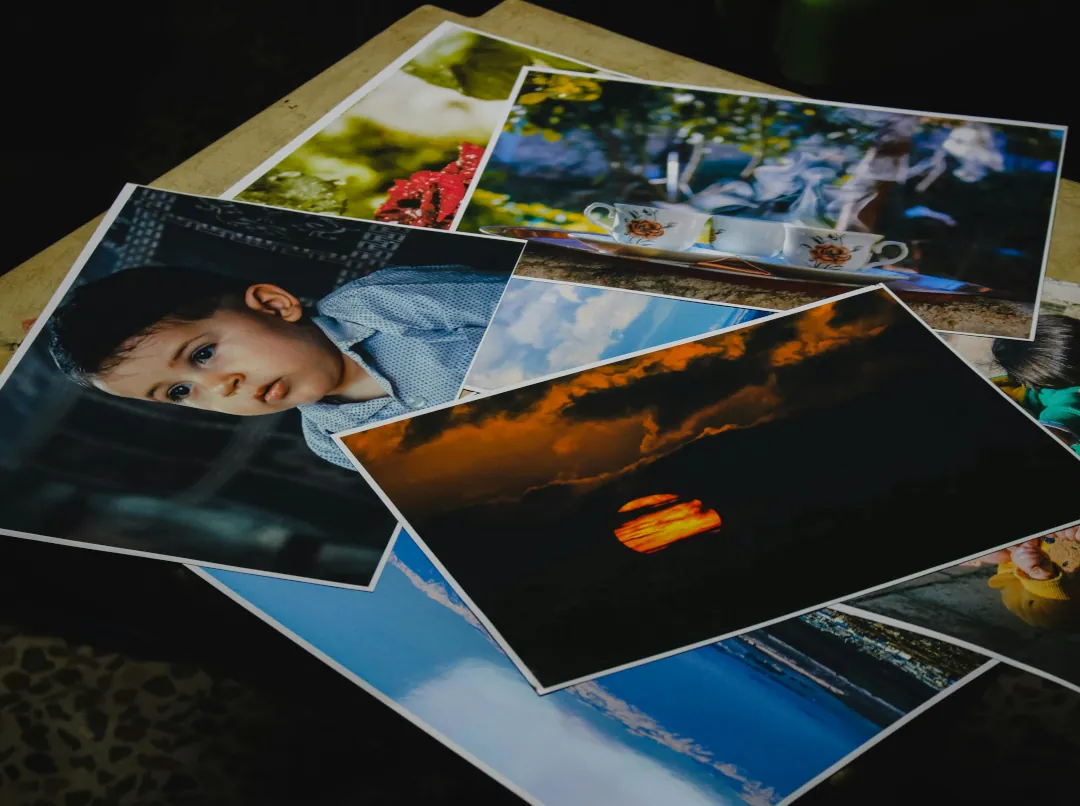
[(479, 67)]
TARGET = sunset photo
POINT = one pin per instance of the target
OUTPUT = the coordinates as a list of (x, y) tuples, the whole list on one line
[(646, 505)]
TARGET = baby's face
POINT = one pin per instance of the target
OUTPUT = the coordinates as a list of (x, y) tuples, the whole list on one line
[(239, 361)]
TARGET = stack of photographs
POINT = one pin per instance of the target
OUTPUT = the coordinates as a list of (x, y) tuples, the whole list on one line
[(643, 443)]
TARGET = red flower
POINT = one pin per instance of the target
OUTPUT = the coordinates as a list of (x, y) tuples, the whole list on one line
[(426, 199), (467, 162), (430, 198)]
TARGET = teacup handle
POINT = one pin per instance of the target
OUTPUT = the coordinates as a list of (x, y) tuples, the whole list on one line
[(877, 250), (609, 212)]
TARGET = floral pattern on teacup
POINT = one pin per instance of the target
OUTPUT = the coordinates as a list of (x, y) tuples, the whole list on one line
[(829, 251), (643, 227)]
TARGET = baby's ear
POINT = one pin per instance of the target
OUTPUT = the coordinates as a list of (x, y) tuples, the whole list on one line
[(274, 300)]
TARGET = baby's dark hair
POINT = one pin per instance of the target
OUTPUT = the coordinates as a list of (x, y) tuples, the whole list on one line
[(1050, 361), (100, 322)]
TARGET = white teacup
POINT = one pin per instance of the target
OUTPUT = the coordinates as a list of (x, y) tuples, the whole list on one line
[(832, 249), (746, 236), (661, 228)]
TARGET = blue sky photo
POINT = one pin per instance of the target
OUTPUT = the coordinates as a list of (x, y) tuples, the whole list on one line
[(741, 722), (541, 328)]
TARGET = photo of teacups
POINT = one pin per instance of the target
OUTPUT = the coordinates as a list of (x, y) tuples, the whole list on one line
[(746, 236), (832, 249), (660, 228), (971, 199)]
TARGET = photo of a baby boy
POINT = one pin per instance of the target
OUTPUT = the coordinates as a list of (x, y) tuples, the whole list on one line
[(178, 397), (397, 340)]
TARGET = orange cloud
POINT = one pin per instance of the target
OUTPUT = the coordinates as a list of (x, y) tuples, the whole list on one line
[(482, 454), (751, 405), (647, 501), (657, 530), (815, 334)]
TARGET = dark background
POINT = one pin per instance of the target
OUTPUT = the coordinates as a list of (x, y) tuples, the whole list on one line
[(989, 742), (310, 735), (99, 95)]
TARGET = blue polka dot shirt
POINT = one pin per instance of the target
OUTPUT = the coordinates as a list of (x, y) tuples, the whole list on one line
[(415, 330)]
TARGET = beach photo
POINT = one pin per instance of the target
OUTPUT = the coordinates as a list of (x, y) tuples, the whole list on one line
[(772, 202), (632, 509), (740, 723), (177, 397), (403, 148)]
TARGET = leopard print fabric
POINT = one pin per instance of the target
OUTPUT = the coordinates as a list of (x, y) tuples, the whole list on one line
[(83, 727)]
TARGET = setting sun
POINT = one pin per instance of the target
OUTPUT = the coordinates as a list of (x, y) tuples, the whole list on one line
[(669, 521)]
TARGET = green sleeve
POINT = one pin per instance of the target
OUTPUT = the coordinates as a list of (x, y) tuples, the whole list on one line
[(1058, 408)]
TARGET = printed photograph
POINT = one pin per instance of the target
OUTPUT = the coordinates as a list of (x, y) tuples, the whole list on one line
[(542, 328), (771, 202), (978, 745), (745, 721), (651, 504), (178, 396), (1042, 375), (404, 147), (1022, 602), (1027, 609)]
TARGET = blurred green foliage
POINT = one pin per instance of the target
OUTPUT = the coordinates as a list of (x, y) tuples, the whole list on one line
[(488, 209), (347, 168), (633, 126), (631, 115), (480, 67)]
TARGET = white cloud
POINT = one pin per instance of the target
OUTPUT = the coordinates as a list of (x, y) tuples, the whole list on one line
[(542, 746), (568, 292), (497, 377), (436, 591), (547, 327), (530, 323), (596, 325), (641, 724)]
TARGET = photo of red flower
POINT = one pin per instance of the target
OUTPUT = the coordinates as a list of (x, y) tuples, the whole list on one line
[(431, 198)]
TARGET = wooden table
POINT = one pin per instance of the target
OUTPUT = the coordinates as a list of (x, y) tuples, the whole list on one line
[(26, 290)]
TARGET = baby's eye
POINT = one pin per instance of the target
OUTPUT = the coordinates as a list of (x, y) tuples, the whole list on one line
[(203, 354), (177, 392)]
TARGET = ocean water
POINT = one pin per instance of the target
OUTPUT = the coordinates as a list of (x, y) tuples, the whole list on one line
[(708, 726)]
